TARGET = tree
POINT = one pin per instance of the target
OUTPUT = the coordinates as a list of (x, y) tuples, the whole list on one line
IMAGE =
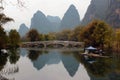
[(33, 35), (13, 56), (50, 36), (3, 38), (75, 34), (14, 38), (42, 37), (3, 20), (64, 35), (33, 55), (98, 34), (117, 40)]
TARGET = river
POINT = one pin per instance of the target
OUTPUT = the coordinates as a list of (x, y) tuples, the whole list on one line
[(57, 64)]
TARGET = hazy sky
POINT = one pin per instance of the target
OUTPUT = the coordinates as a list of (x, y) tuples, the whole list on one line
[(48, 7)]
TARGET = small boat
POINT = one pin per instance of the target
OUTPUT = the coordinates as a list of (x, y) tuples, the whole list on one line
[(94, 52)]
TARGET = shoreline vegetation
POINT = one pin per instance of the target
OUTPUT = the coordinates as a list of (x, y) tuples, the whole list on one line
[(97, 33)]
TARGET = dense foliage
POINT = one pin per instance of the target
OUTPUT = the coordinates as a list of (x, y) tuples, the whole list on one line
[(116, 45), (3, 38), (33, 35), (14, 38), (97, 34)]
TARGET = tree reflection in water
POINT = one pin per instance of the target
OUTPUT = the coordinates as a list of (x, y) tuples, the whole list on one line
[(3, 61), (14, 56), (101, 68), (34, 54)]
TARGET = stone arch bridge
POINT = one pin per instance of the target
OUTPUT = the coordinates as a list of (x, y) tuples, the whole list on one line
[(53, 44)]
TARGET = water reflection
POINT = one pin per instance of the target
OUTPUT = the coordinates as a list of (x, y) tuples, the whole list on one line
[(101, 68), (33, 55), (3, 61), (40, 62), (70, 64), (97, 68), (13, 56), (61, 65), (53, 57), (23, 52)]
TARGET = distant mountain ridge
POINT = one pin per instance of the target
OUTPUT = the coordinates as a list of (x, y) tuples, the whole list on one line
[(48, 24), (106, 10), (55, 20), (23, 30), (45, 24), (40, 22), (70, 19)]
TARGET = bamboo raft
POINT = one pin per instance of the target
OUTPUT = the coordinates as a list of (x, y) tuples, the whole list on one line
[(95, 55)]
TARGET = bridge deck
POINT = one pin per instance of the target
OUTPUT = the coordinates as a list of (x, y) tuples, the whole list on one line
[(45, 44)]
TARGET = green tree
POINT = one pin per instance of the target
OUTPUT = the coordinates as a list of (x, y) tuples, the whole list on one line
[(3, 20), (14, 38), (117, 40), (42, 37), (52, 36), (33, 35), (75, 34), (98, 34), (3, 37), (46, 37), (64, 35), (13, 56), (33, 55)]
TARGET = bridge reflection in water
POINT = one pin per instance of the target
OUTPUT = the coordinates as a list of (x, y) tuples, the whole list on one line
[(54, 44)]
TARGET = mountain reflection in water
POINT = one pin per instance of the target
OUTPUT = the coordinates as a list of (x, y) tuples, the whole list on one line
[(57, 65)]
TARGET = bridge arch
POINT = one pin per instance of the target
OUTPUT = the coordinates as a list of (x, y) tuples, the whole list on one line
[(54, 44)]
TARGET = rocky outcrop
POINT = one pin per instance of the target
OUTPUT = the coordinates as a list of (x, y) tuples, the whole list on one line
[(106, 10), (96, 10), (113, 13)]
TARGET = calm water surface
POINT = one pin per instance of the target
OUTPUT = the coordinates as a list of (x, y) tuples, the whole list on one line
[(24, 64)]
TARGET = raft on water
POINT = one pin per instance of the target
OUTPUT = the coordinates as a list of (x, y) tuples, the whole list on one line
[(95, 55)]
